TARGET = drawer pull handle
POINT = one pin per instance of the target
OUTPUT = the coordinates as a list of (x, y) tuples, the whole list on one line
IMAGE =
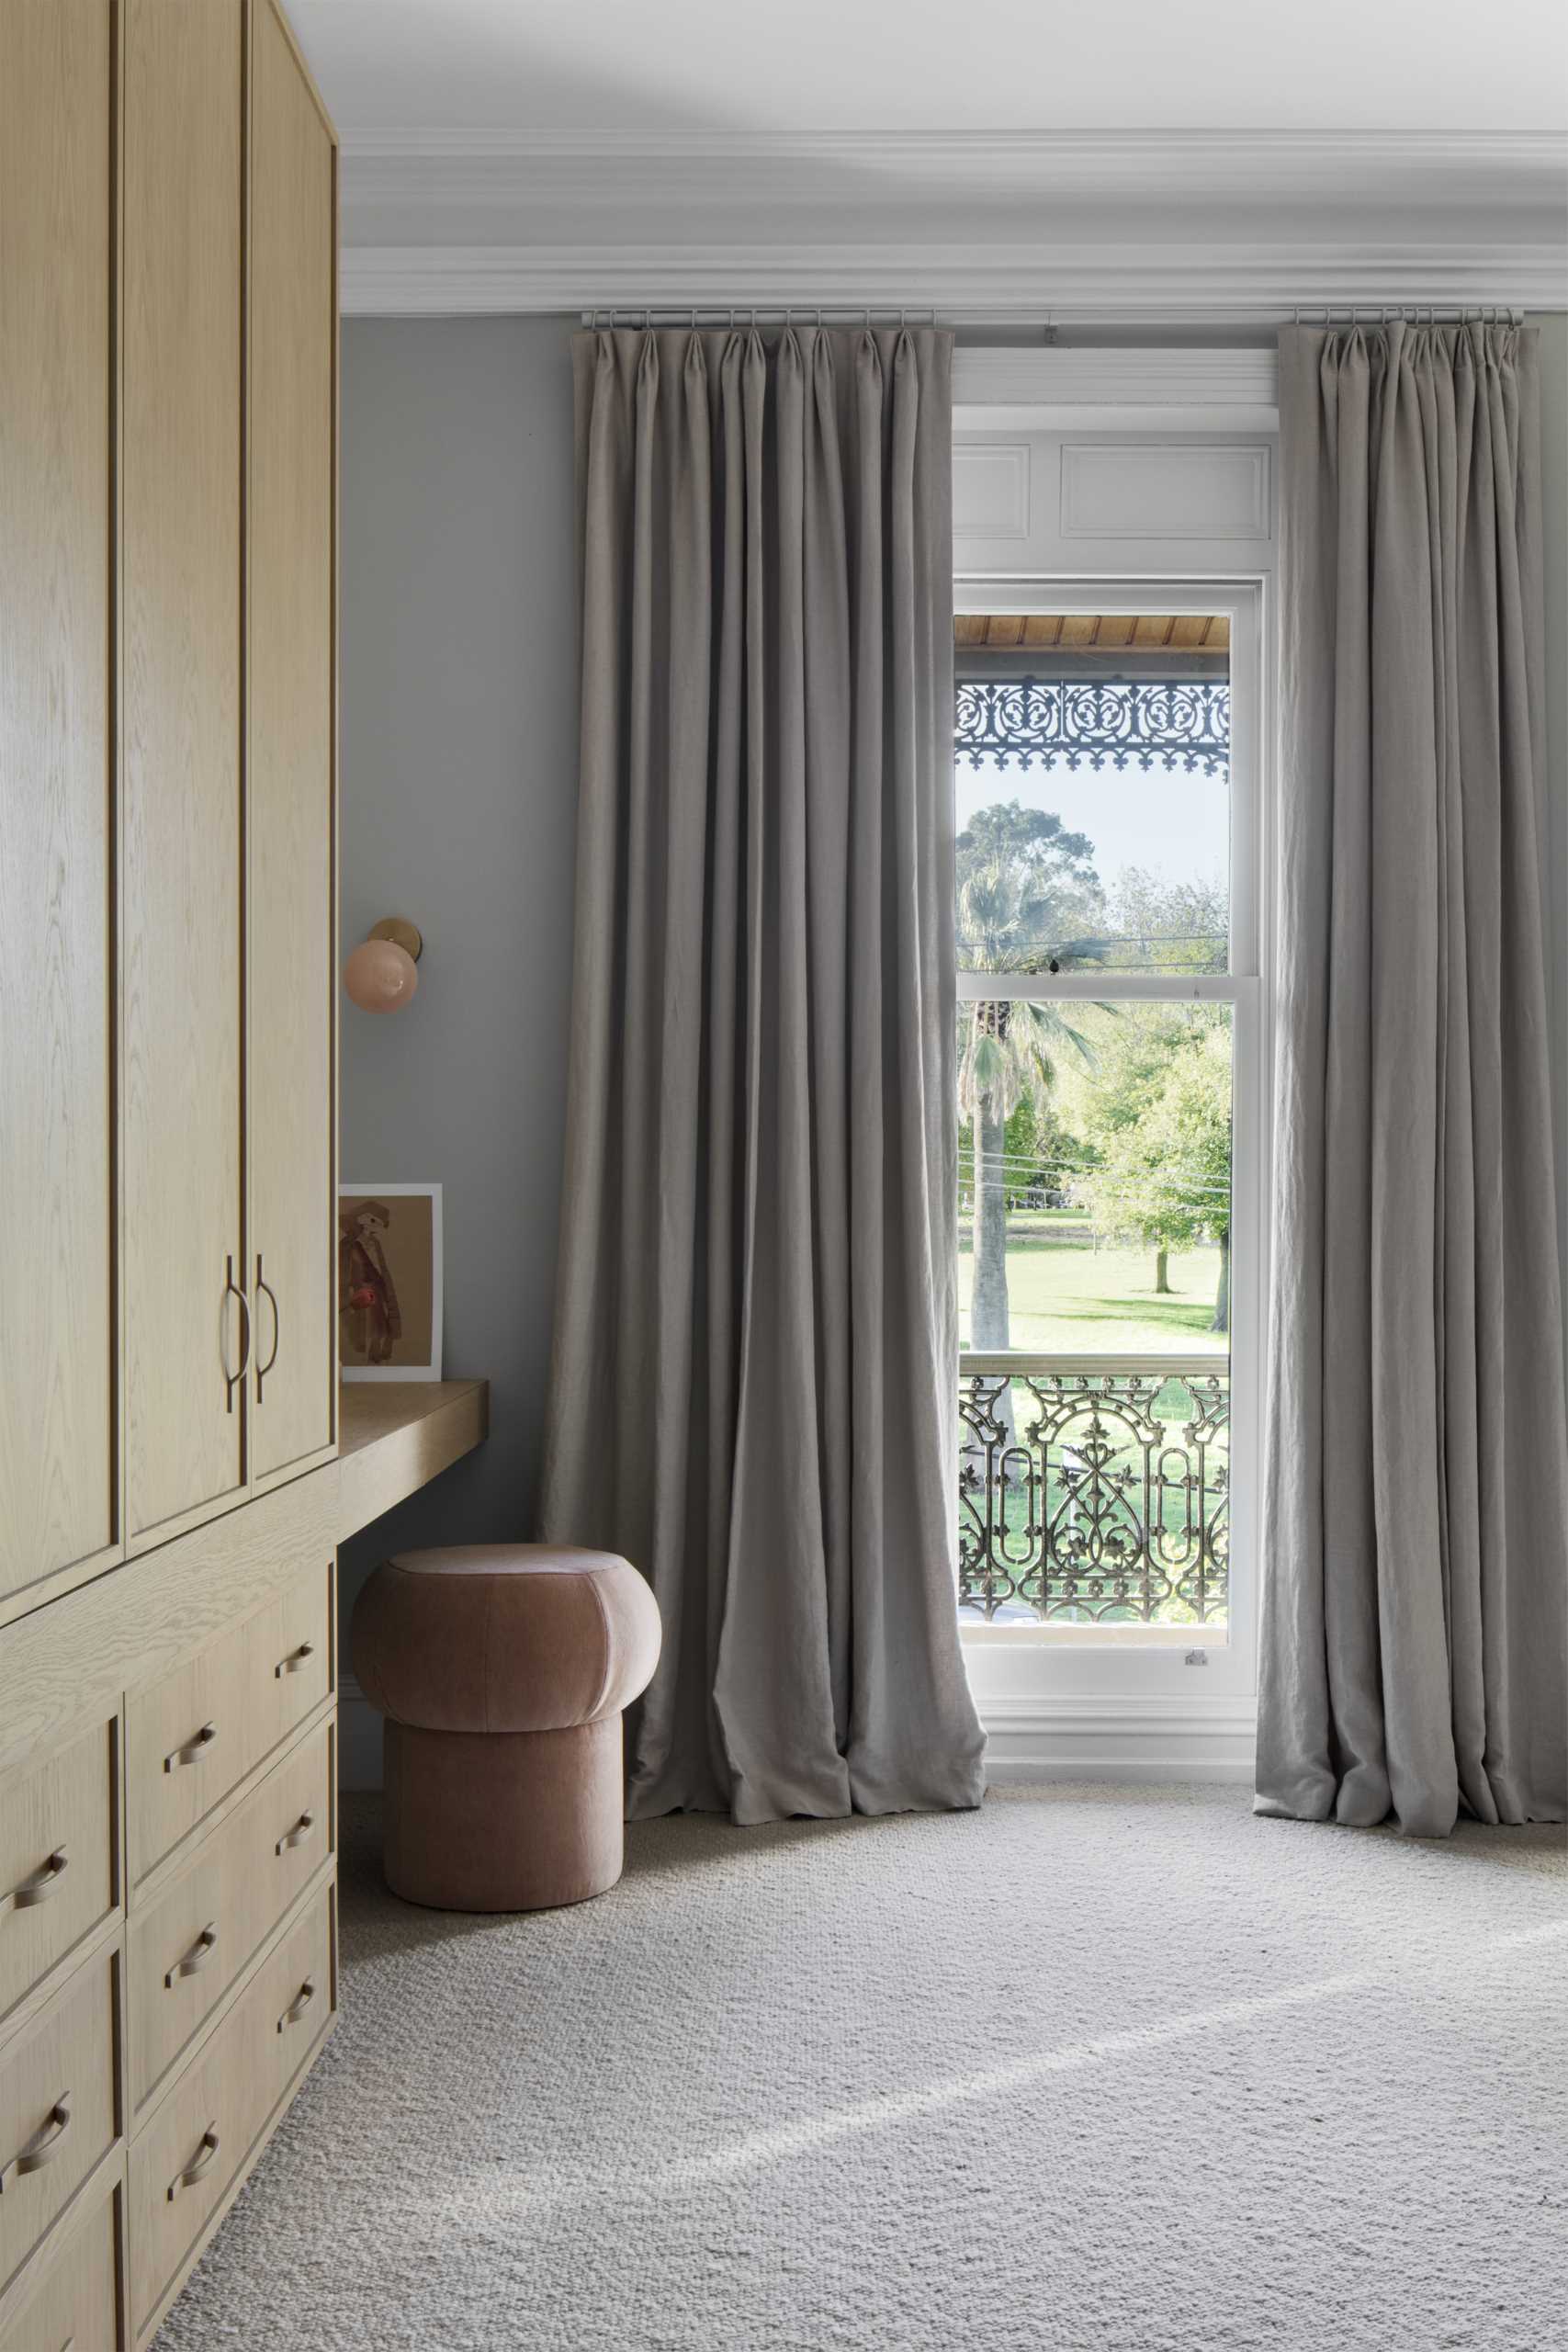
[(39, 1887), (194, 1749), (298, 2006), (44, 2145), (294, 1661), (197, 1957), (297, 1835), (203, 2161)]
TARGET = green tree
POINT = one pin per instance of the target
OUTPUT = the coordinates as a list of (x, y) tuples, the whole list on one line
[(1167, 926), (1051, 870), (1190, 1125), (1156, 1116), (1022, 878)]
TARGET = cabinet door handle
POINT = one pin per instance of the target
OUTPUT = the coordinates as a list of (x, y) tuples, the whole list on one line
[(203, 2161), (298, 2006), (44, 2145), (197, 1957), (39, 1887), (294, 1661), (194, 1749), (233, 1380), (297, 1835), (265, 1290)]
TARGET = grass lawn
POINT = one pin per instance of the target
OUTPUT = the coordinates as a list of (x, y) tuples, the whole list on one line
[(1065, 1297)]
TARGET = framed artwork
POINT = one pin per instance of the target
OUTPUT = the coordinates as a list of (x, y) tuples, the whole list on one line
[(389, 1282)]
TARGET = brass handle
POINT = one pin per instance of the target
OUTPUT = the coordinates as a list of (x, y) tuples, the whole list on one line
[(39, 1887), (44, 2145), (297, 1835), (194, 1749), (265, 1288), (232, 1380), (298, 2006), (197, 1957), (294, 1661), (203, 2160)]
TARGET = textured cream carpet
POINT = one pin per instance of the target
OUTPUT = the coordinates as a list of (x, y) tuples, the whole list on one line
[(1093, 2070)]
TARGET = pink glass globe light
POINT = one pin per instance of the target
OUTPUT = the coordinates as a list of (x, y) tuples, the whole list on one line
[(380, 977)]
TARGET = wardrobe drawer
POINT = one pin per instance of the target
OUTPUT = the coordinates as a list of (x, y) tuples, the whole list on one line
[(57, 2106), (191, 1942), (56, 1858), (197, 2140), (75, 2303), (193, 1735)]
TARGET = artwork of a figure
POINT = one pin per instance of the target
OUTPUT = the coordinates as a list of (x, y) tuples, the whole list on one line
[(366, 1295)]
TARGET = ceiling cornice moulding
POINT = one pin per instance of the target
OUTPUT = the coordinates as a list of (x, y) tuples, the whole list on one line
[(458, 165), (1143, 278)]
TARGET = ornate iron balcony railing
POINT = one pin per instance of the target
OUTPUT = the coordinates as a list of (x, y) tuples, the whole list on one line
[(1182, 722), (1094, 1490)]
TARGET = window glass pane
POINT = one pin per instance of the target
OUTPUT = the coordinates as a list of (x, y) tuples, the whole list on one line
[(1094, 1248), (1092, 795), (1094, 1174)]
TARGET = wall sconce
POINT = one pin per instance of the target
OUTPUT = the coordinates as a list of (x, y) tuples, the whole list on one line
[(379, 976)]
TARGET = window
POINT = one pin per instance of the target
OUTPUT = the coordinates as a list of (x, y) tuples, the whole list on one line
[(1107, 945)]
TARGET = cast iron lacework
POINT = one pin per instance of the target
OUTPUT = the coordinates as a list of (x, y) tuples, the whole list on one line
[(1091, 1495), (1182, 723)]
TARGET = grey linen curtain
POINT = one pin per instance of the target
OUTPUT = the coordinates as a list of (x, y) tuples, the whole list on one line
[(754, 1389), (1417, 1490)]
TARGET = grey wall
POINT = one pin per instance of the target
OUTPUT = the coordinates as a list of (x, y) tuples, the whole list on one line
[(458, 785)]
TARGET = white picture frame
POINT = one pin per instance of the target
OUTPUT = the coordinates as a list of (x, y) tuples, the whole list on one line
[(365, 1319)]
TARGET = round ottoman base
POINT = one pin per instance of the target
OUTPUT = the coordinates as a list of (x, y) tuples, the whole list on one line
[(503, 1821)]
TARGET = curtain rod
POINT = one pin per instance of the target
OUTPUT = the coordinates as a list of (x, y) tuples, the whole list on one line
[(1046, 325)]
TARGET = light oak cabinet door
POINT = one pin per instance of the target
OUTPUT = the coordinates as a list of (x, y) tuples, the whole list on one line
[(182, 843), (290, 740), (58, 1385)]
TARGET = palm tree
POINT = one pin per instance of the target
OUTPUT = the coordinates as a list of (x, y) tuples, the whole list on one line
[(1009, 1053)]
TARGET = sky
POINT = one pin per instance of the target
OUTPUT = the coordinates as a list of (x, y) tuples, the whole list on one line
[(1174, 825)]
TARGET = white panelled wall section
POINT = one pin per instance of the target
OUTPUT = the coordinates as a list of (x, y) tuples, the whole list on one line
[(1136, 481)]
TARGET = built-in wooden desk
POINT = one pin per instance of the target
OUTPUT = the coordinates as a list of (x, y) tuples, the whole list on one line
[(394, 1436)]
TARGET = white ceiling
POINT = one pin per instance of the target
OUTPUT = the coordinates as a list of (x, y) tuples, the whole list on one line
[(930, 64)]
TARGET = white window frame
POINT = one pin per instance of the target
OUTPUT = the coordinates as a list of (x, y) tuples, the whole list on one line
[(1058, 1705)]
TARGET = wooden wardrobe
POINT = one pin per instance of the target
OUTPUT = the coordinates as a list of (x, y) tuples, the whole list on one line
[(168, 388)]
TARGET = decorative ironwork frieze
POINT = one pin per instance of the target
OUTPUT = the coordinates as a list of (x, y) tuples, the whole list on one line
[(1182, 723), (1090, 1493)]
